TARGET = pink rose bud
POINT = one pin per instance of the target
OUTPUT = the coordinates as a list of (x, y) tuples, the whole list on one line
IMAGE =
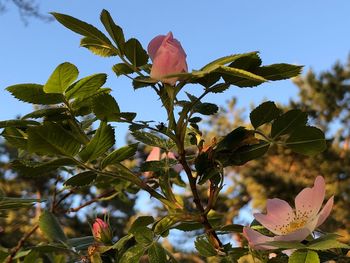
[(102, 231), (168, 58)]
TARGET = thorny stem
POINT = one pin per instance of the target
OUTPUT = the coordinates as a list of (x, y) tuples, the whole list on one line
[(213, 238)]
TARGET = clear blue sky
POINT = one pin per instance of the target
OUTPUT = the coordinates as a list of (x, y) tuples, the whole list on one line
[(310, 33)]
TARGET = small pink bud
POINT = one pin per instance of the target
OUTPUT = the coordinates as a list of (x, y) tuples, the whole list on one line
[(102, 231), (168, 58)]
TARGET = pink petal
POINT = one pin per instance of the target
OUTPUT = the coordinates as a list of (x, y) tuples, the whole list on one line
[(326, 210), (154, 45), (154, 155), (279, 213), (298, 235), (256, 240), (309, 201), (169, 58)]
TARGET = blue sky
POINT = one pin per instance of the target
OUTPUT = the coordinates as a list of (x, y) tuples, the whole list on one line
[(310, 33)]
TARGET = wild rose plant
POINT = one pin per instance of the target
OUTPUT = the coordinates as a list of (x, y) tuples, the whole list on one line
[(63, 139)]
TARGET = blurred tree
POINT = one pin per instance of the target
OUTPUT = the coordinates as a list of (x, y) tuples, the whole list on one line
[(26, 8), (281, 173)]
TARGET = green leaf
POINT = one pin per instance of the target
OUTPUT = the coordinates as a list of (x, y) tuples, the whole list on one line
[(99, 144), (247, 153), (133, 254), (51, 228), (286, 244), (81, 243), (164, 224), (81, 179), (240, 73), (226, 60), (52, 138), (325, 244), (119, 155), (156, 253), (158, 166), (235, 228), (206, 108), (30, 168), (204, 247), (264, 113), (141, 82), (142, 234), (135, 52), (219, 88), (64, 75), (34, 93), (106, 108), (86, 87), (115, 31), (15, 137), (152, 140), (279, 71), (141, 221), (307, 140), (50, 112), (81, 27), (18, 123), (122, 69), (98, 47), (128, 116), (235, 139), (288, 122), (304, 257)]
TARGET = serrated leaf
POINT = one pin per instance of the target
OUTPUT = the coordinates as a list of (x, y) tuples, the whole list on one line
[(50, 112), (30, 168), (204, 247), (51, 228), (18, 123), (135, 52), (304, 257), (156, 253), (264, 113), (206, 108), (247, 153), (34, 93), (64, 75), (81, 179), (52, 138), (158, 166), (122, 69), (307, 140), (102, 141), (86, 87), (119, 155), (152, 140), (326, 244), (81, 27), (115, 31), (164, 224), (286, 244), (128, 116), (16, 137), (98, 47), (240, 73), (219, 88), (141, 82), (106, 108), (226, 60), (288, 122), (279, 71), (133, 254)]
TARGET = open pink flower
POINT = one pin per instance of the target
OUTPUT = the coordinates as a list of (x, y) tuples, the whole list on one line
[(168, 58), (155, 155), (290, 224)]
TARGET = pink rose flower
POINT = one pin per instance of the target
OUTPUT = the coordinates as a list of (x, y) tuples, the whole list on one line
[(102, 231), (155, 155), (168, 57), (290, 224)]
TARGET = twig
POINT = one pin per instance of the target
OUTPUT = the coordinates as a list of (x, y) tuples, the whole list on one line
[(20, 244)]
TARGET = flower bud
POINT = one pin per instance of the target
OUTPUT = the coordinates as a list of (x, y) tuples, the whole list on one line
[(102, 231), (168, 58)]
